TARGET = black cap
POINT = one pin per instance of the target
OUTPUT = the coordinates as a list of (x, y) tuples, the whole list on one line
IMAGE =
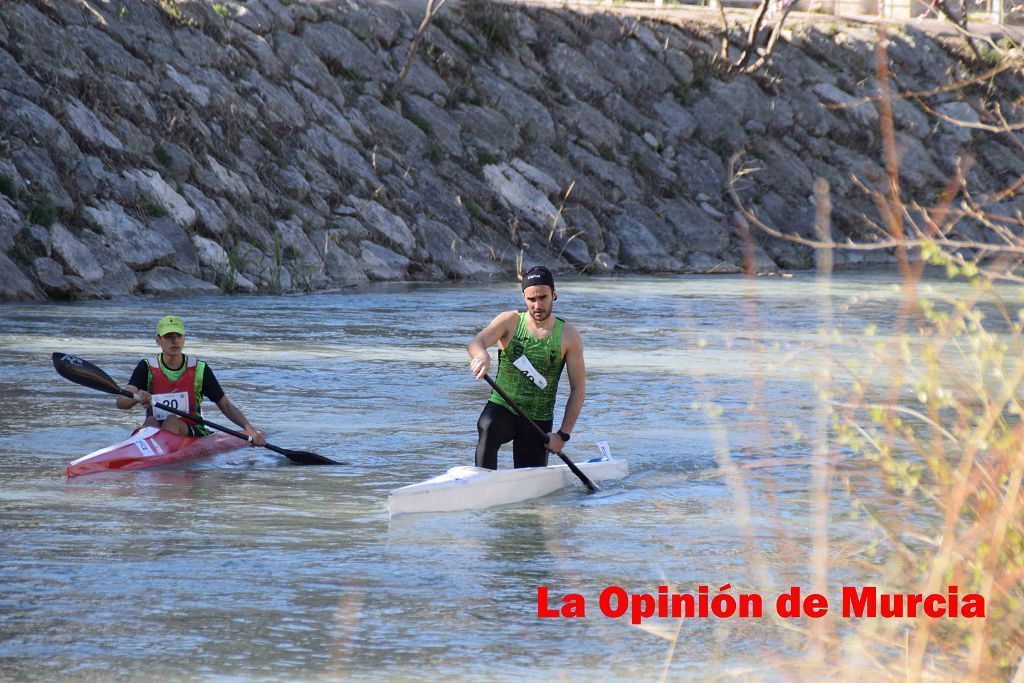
[(538, 275)]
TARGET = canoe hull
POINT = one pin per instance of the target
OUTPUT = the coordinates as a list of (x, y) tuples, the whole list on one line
[(474, 488), (150, 447)]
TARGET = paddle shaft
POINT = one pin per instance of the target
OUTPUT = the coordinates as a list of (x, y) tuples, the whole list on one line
[(572, 466), (285, 452)]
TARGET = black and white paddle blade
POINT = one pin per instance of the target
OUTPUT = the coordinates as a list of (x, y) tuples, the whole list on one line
[(81, 371)]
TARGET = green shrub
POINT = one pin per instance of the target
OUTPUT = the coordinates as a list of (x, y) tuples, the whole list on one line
[(420, 122), (7, 187), (486, 159), (163, 157), (494, 20), (42, 214), (436, 153)]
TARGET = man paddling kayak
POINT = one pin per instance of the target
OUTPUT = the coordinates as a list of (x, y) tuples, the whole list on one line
[(533, 347), (180, 381)]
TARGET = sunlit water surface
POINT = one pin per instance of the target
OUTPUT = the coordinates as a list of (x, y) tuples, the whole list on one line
[(245, 565)]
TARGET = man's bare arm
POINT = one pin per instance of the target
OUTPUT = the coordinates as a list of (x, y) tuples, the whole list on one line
[(500, 329)]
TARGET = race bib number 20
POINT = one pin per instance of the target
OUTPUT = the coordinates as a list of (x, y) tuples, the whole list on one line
[(178, 401)]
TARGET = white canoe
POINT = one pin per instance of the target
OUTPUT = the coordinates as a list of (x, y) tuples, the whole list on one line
[(472, 488)]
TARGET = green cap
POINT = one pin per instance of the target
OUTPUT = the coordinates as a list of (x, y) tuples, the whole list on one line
[(168, 324)]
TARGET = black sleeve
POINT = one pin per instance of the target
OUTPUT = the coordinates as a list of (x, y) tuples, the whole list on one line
[(140, 375), (211, 387)]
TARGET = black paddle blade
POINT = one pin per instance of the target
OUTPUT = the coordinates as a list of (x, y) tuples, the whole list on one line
[(307, 458), (302, 457), (83, 372)]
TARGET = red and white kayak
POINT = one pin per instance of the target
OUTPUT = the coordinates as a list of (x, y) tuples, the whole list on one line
[(152, 446)]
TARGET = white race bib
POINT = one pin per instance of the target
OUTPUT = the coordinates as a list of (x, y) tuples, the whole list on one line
[(178, 401), (526, 367), (605, 449)]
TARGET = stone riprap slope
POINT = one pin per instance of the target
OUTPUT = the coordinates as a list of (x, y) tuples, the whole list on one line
[(185, 146)]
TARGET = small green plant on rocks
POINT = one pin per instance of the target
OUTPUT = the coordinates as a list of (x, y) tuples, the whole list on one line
[(7, 187), (420, 123), (42, 214)]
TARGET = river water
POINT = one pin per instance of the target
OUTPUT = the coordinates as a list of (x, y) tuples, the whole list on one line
[(245, 566)]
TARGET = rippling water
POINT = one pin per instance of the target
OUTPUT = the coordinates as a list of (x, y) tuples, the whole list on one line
[(247, 566)]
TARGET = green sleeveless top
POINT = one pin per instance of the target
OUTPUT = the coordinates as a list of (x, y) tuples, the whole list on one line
[(546, 357)]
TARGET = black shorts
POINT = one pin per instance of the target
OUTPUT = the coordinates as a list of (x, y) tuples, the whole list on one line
[(499, 425), (193, 430)]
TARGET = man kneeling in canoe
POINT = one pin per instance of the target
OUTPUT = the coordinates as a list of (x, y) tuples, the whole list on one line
[(533, 347), (181, 382)]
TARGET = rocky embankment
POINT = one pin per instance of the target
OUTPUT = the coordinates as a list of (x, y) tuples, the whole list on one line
[(169, 146)]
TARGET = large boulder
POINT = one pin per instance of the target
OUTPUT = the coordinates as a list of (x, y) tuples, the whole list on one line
[(76, 257), (387, 227), (639, 249), (521, 197), (380, 263), (165, 281), (136, 245), (14, 284)]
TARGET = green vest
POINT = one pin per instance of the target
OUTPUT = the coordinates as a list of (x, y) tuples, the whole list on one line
[(546, 357)]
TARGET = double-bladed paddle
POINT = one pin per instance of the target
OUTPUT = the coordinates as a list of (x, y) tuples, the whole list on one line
[(85, 373), (572, 466)]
